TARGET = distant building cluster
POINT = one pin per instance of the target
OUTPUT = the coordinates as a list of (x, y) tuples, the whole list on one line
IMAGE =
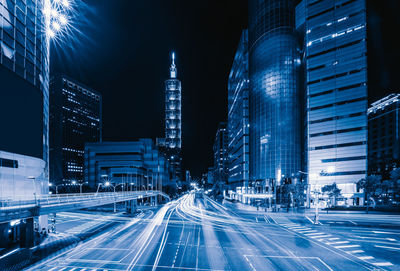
[(47, 123), (298, 104)]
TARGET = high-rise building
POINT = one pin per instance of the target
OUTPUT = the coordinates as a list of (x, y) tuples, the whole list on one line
[(383, 135), (24, 99), (274, 95), (238, 116), (75, 119), (221, 154), (336, 83), (173, 120)]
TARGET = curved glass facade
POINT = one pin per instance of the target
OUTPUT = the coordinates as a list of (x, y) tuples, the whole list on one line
[(275, 109)]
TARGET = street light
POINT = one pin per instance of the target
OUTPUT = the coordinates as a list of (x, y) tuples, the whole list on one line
[(107, 184), (80, 186), (33, 178), (56, 186)]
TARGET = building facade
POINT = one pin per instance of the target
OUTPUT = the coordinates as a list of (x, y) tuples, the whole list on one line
[(173, 120), (274, 65), (238, 117), (383, 135), (336, 83), (75, 119), (24, 99), (136, 165), (220, 149)]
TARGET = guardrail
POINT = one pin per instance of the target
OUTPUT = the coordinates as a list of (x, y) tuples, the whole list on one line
[(46, 200)]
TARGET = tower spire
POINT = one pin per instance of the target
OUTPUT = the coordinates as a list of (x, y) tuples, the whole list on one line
[(173, 70)]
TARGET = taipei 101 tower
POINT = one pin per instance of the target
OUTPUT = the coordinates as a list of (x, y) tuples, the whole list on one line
[(173, 119)]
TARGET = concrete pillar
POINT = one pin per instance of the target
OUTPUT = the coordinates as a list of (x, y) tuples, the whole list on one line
[(4, 240), (43, 222), (27, 237), (133, 206)]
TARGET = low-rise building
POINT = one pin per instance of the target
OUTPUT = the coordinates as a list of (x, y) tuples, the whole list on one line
[(134, 165)]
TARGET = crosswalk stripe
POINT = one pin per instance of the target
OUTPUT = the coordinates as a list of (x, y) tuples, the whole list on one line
[(366, 258), (356, 251), (337, 243), (348, 246), (383, 264)]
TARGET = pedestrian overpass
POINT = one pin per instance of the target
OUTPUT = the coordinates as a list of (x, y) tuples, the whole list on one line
[(49, 204)]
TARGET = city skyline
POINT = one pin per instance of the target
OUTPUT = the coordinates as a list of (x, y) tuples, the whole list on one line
[(149, 63), (110, 112)]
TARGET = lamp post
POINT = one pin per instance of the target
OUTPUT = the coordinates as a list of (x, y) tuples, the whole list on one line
[(56, 186), (33, 178), (106, 184), (80, 186)]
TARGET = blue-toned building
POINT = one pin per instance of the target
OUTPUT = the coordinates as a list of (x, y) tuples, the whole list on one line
[(172, 143), (384, 135), (136, 165), (275, 108), (24, 98), (24, 108), (238, 117), (336, 89), (75, 119), (220, 149)]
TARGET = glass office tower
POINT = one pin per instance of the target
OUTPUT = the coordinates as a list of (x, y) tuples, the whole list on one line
[(24, 74), (220, 149), (275, 110), (384, 135), (336, 63), (24, 99), (173, 119), (75, 119), (238, 116)]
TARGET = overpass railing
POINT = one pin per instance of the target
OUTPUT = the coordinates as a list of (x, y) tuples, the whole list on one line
[(59, 199)]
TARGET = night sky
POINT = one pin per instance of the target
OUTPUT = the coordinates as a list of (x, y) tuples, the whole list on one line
[(121, 48)]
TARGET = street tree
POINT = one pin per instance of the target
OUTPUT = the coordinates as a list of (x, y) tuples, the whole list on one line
[(369, 185), (333, 192)]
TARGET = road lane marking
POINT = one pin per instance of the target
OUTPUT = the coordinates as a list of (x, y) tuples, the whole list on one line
[(297, 227), (348, 246), (395, 248), (304, 232), (366, 258), (356, 251), (383, 264), (312, 222), (321, 236), (331, 239), (352, 222), (314, 233), (289, 257), (337, 243), (391, 239), (198, 246), (256, 219), (272, 219)]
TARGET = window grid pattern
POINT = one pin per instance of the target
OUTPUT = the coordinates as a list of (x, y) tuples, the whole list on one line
[(25, 48), (336, 92), (275, 112), (238, 117)]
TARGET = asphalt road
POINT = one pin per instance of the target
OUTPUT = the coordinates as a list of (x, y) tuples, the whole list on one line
[(200, 234)]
